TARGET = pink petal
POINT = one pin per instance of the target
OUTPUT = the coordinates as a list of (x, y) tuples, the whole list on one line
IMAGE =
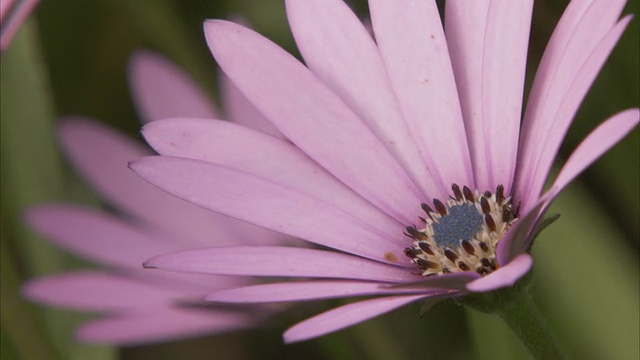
[(102, 154), (465, 23), (345, 316), (505, 276), (356, 73), (162, 90), (264, 156), (597, 143), (99, 291), (303, 290), (514, 242), (98, 236), (12, 18), (167, 324), (279, 261), (451, 281), (241, 111), (504, 62), (413, 48), (312, 117), (247, 197), (568, 68)]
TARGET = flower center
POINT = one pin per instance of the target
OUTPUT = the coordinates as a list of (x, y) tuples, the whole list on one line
[(461, 234)]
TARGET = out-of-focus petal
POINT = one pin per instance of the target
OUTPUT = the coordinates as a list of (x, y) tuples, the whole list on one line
[(99, 291), (239, 110), (247, 197), (315, 119), (505, 276), (166, 324), (278, 261), (345, 316), (356, 73), (98, 236), (160, 90), (13, 14), (577, 50), (264, 156), (597, 143), (102, 154), (414, 50), (303, 290)]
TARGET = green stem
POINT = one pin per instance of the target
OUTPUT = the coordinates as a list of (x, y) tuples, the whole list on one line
[(522, 316)]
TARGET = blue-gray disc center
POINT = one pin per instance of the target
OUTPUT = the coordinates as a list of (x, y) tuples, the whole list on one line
[(462, 222)]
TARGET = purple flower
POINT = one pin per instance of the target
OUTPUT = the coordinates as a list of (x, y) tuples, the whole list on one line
[(12, 14), (421, 125), (141, 306)]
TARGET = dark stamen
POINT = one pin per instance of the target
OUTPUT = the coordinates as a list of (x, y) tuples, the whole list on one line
[(426, 264), (484, 203), (427, 209), (500, 194), (456, 191), (415, 233), (442, 210), (463, 266), (425, 247), (411, 252), (485, 262), (468, 194), (484, 247), (488, 219), (487, 194), (466, 245), (450, 255)]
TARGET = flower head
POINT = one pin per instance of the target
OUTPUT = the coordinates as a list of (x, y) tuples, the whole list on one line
[(140, 306), (421, 125)]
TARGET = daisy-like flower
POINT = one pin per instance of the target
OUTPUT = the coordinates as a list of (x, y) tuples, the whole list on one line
[(141, 306), (405, 156), (12, 14)]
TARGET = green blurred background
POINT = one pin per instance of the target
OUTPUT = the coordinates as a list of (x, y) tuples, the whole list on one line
[(71, 58)]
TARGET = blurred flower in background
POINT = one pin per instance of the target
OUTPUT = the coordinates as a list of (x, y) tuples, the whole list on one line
[(143, 306), (12, 14), (376, 131), (71, 58)]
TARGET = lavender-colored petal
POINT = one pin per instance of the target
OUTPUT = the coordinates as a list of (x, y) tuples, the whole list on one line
[(160, 90), (345, 316), (99, 291), (279, 261), (505, 276), (582, 41), (98, 236), (304, 290), (514, 242), (315, 119), (241, 111), (12, 17), (413, 48), (101, 155), (166, 324), (356, 73), (503, 70), (264, 156), (452, 281), (247, 197), (465, 23), (593, 146)]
